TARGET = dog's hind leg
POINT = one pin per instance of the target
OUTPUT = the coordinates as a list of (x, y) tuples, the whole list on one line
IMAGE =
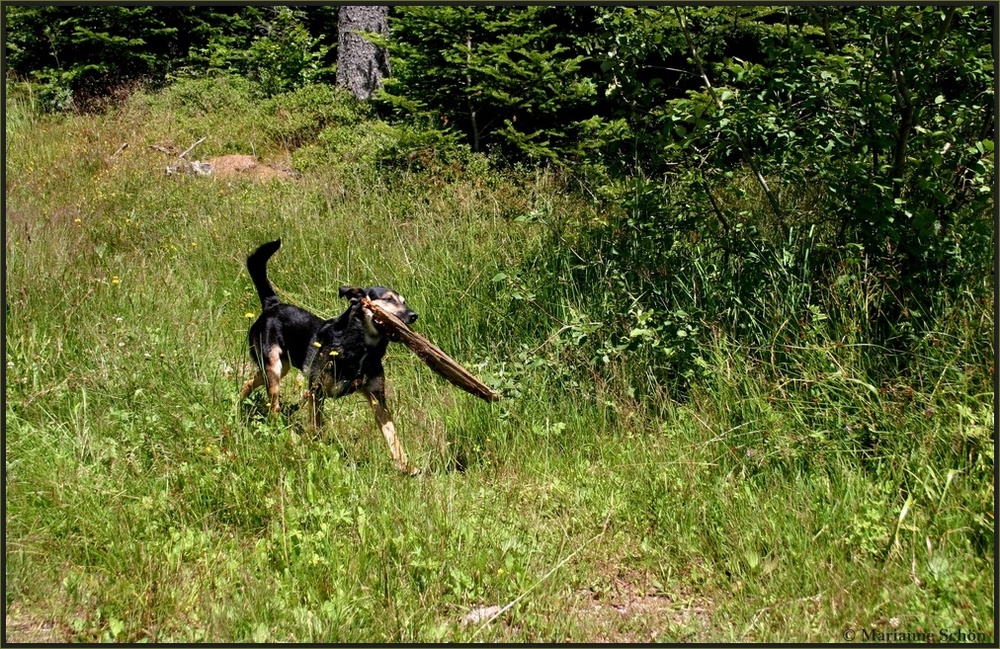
[(375, 393), (255, 381)]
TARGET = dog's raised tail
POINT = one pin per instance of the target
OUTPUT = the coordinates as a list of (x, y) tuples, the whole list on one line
[(257, 266)]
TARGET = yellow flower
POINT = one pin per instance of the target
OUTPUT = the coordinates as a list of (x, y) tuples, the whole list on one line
[(248, 315), (115, 280)]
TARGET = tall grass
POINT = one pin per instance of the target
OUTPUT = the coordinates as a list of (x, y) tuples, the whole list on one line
[(778, 499)]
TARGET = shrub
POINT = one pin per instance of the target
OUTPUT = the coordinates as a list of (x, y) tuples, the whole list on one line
[(296, 118), (194, 97)]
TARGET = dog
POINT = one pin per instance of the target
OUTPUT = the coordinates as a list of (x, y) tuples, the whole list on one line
[(337, 356)]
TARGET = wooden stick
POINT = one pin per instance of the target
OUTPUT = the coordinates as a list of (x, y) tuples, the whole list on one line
[(188, 150), (437, 360)]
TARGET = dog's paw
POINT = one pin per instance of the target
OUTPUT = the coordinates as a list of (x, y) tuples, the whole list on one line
[(410, 470)]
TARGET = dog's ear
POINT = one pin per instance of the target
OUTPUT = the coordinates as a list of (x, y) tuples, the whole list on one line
[(352, 292)]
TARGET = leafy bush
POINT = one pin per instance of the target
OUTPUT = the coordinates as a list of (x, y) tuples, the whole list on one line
[(286, 56), (879, 135), (348, 147), (194, 97), (296, 118), (373, 143)]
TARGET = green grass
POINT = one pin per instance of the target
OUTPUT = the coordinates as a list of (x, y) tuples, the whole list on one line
[(143, 502)]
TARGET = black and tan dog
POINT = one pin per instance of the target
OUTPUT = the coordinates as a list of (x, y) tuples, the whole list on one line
[(337, 356)]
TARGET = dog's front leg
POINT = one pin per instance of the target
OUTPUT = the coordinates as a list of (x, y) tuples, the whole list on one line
[(374, 391), (315, 398), (274, 370)]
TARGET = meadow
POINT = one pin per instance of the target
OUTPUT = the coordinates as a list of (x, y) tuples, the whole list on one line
[(144, 502)]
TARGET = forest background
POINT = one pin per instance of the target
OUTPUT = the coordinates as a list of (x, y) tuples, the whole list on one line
[(730, 267)]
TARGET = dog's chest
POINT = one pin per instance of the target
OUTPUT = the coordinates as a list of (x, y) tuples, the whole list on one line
[(343, 363)]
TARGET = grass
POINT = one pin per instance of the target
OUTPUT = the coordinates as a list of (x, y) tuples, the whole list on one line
[(144, 503)]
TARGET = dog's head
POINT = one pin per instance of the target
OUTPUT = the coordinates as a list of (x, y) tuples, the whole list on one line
[(386, 298)]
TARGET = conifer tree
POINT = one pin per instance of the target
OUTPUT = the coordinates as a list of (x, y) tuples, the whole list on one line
[(361, 64)]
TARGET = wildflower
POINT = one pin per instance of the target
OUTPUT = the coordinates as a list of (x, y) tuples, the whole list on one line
[(78, 220), (115, 280), (248, 315)]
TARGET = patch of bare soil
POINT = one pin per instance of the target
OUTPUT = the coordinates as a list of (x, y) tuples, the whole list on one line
[(630, 608), (230, 166), (23, 627)]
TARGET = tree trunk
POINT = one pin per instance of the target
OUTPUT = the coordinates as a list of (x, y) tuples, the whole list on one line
[(361, 65)]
